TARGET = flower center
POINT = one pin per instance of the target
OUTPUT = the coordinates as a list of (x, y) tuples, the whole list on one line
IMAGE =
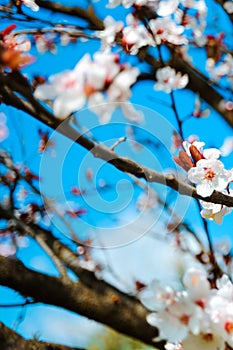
[(229, 327), (160, 31), (89, 90), (209, 174), (184, 319)]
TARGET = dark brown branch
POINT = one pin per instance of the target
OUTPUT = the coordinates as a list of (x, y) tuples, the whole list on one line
[(10, 340), (88, 14), (199, 84), (100, 151), (100, 295), (104, 306)]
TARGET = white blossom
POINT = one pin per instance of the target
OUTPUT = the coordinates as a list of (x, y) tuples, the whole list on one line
[(228, 5), (168, 80), (31, 4), (103, 83), (111, 28), (214, 211), (209, 175), (165, 30), (135, 36), (227, 146), (199, 317)]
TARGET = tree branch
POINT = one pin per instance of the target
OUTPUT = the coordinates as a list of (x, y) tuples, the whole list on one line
[(88, 14), (100, 151), (10, 340), (101, 305), (199, 84)]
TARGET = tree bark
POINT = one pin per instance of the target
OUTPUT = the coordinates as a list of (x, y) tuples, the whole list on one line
[(102, 305), (10, 340)]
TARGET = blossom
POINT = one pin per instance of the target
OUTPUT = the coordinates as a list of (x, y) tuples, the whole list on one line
[(163, 7), (198, 111), (46, 42), (135, 36), (227, 146), (67, 89), (195, 280), (168, 80), (176, 320), (31, 4), (17, 42), (223, 68), (111, 28), (167, 7), (157, 296), (147, 200), (7, 249), (129, 3), (165, 30), (198, 317), (228, 6), (209, 175), (215, 211), (4, 131), (102, 82)]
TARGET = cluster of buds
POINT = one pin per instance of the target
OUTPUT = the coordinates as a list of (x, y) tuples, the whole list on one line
[(208, 173), (12, 49)]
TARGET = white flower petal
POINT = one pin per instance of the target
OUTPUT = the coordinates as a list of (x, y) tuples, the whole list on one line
[(68, 103), (45, 92)]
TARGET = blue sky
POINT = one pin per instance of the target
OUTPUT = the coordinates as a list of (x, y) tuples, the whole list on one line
[(119, 202)]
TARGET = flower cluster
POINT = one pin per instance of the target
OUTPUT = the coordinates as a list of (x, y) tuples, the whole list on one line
[(224, 68), (169, 20), (13, 48), (208, 173), (197, 317), (102, 82)]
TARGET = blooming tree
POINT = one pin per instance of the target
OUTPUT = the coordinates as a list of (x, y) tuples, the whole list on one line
[(125, 93)]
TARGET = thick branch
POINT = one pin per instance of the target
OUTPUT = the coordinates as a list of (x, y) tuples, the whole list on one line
[(88, 14), (11, 340), (103, 306)]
